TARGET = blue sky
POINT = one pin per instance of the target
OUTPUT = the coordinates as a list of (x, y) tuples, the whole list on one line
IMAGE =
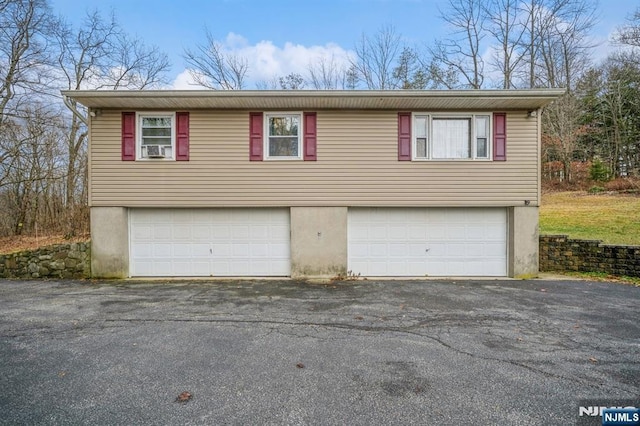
[(284, 35)]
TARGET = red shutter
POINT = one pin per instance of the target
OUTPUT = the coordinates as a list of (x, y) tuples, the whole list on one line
[(128, 136), (182, 136), (310, 136), (255, 136), (404, 136), (499, 136)]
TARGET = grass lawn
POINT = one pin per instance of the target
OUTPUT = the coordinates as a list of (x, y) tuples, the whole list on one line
[(612, 218)]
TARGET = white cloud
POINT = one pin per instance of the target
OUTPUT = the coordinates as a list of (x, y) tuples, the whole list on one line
[(268, 61), (184, 81)]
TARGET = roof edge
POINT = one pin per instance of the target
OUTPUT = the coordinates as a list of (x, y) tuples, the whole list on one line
[(488, 93)]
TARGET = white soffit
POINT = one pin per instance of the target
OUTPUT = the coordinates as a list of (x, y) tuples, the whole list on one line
[(413, 100)]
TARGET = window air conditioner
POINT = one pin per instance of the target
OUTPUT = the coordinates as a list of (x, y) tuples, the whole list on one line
[(155, 151)]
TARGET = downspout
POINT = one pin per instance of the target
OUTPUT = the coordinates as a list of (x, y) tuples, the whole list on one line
[(74, 110)]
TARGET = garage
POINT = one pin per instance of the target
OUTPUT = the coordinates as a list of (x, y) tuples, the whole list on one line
[(427, 241), (209, 242)]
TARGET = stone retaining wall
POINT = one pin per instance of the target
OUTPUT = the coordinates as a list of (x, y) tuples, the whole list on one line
[(561, 253), (56, 261)]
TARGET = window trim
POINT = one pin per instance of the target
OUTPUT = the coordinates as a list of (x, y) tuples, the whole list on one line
[(443, 115), (265, 136), (139, 116)]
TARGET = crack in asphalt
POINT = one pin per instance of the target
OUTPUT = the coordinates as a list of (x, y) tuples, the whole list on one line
[(404, 330)]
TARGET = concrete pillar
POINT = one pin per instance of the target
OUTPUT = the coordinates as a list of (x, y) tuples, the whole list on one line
[(109, 242), (318, 241), (523, 242)]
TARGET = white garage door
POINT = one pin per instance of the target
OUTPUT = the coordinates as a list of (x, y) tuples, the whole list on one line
[(433, 242), (209, 242)]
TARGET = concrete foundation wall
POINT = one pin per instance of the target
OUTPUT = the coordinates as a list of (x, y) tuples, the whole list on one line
[(318, 241), (109, 242), (523, 242)]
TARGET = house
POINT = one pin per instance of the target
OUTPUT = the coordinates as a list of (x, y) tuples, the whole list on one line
[(314, 183)]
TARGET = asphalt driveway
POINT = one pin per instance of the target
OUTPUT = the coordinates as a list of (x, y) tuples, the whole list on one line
[(289, 352)]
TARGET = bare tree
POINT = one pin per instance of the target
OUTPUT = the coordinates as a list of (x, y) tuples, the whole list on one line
[(630, 34), (462, 50), (561, 128), (101, 55), (271, 84), (556, 41), (508, 30), (326, 74), (566, 49), (34, 166), (137, 65), (24, 27), (213, 68), (375, 58)]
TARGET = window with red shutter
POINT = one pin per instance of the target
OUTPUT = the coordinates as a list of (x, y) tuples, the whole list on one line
[(404, 136), (128, 136), (255, 136), (310, 136), (499, 136), (182, 136)]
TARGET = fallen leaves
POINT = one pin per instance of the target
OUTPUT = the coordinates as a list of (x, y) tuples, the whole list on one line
[(300, 365), (593, 360), (183, 398)]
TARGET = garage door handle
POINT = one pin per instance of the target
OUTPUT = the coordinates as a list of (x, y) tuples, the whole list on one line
[(427, 250)]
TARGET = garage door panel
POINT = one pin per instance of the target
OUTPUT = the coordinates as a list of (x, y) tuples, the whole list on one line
[(259, 251), (436, 242), (454, 249), (220, 268), (398, 250), (220, 232), (397, 233), (378, 249), (456, 232), (205, 242), (142, 250), (240, 250), (162, 250), (496, 249), (474, 250), (201, 232), (181, 232), (279, 251), (240, 232), (260, 232), (200, 268)]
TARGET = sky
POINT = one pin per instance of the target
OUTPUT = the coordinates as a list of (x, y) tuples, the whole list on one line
[(284, 36)]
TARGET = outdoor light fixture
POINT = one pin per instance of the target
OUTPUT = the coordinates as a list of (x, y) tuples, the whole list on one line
[(532, 114)]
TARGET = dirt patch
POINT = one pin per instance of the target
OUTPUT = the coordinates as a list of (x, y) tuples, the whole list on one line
[(29, 242)]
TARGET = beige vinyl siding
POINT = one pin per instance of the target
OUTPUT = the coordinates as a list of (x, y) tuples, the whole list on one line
[(357, 166)]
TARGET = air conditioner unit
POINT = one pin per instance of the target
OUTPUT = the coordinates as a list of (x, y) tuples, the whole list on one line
[(155, 151)]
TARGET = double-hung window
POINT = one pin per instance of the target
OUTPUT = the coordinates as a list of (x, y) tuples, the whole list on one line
[(451, 136), (156, 135), (283, 136)]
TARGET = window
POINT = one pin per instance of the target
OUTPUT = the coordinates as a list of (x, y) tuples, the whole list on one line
[(283, 136), (451, 137), (156, 135)]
